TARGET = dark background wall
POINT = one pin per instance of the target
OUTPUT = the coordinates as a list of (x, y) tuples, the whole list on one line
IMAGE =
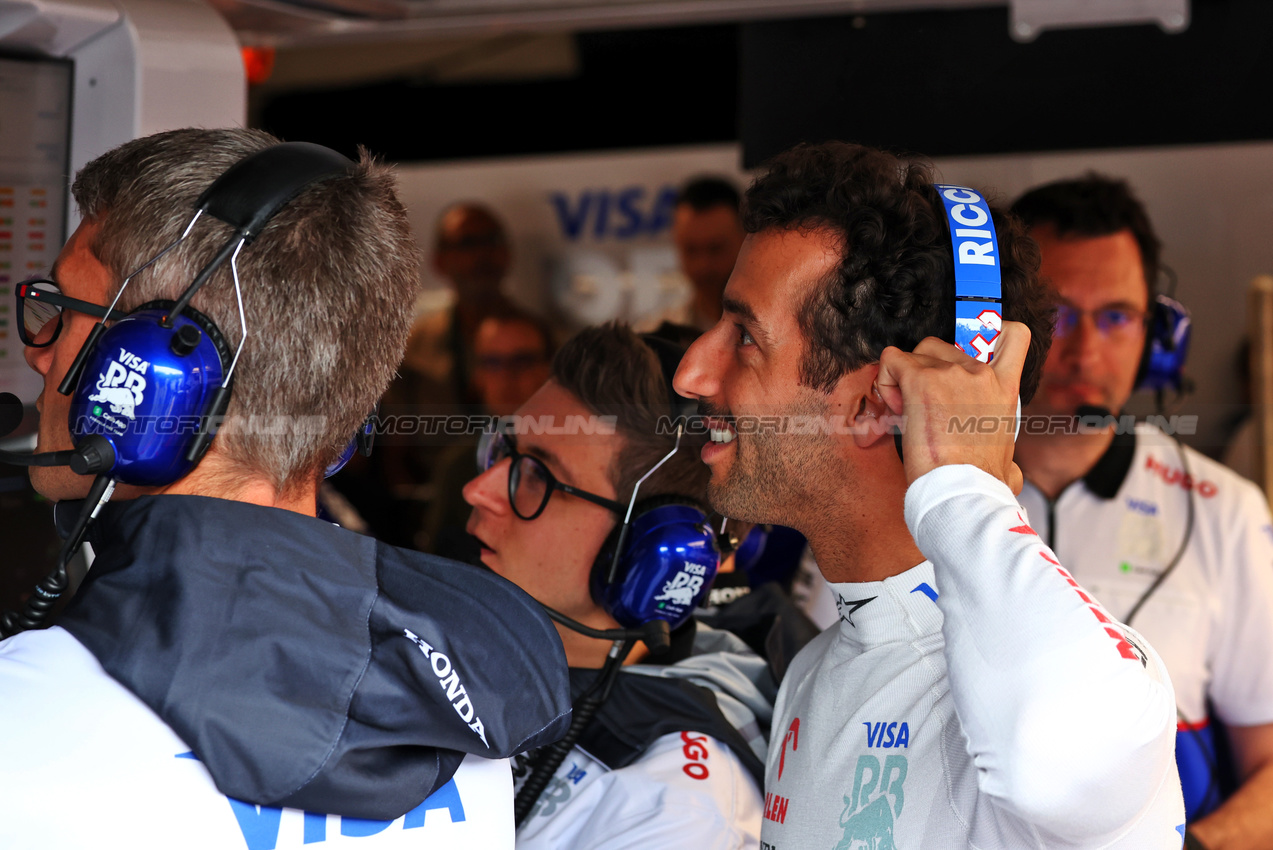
[(938, 82), (633, 88), (953, 82)]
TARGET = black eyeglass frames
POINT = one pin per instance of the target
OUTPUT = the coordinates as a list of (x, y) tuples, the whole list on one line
[(530, 482), (41, 302)]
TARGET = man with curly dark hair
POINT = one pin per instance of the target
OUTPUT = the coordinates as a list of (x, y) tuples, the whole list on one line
[(964, 699)]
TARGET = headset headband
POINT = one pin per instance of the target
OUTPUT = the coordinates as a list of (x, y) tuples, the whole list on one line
[(978, 284), (256, 187)]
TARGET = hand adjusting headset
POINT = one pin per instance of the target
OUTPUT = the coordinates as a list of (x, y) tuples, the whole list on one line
[(978, 279)]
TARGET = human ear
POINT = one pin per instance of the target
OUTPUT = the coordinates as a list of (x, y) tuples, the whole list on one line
[(871, 420)]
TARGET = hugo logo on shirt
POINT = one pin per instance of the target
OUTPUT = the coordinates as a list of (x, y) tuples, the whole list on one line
[(695, 750)]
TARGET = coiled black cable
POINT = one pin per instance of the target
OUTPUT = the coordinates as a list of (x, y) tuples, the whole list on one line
[(52, 586), (550, 757)]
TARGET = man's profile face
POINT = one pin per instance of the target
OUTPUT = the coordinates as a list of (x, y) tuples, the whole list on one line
[(1086, 366), (510, 362), (79, 274), (472, 252), (550, 556), (748, 366), (707, 243)]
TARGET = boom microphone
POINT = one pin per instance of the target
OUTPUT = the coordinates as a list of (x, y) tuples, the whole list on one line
[(95, 454), (10, 413)]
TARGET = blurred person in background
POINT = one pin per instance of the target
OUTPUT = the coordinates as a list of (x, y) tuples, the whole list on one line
[(396, 488), (512, 357), (707, 233)]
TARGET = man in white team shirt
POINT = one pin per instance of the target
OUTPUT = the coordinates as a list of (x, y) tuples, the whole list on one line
[(972, 694), (235, 672), (674, 755), (1122, 506)]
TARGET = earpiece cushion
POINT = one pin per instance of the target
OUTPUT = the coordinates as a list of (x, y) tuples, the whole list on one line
[(144, 398), (667, 567)]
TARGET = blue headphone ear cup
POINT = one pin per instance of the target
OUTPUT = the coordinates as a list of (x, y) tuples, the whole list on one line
[(1162, 361), (146, 388), (666, 568)]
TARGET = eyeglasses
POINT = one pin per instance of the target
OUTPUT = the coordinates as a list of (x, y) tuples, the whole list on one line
[(1109, 321), (530, 483), (41, 302)]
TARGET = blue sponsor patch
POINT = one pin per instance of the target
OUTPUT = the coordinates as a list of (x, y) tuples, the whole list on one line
[(923, 588), (1140, 506)]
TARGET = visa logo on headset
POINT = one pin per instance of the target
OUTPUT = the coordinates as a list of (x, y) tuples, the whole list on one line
[(682, 589), (121, 386)]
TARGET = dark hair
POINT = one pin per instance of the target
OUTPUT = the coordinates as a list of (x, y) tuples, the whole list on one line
[(1093, 205), (895, 282), (614, 373), (703, 193)]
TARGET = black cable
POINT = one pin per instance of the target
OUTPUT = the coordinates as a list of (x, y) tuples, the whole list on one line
[(1213, 769), (656, 633), (52, 586), (1184, 543), (550, 758)]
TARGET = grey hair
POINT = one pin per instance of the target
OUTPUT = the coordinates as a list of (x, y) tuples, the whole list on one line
[(328, 288)]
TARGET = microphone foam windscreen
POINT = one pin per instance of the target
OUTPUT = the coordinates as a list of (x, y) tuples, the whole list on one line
[(10, 413)]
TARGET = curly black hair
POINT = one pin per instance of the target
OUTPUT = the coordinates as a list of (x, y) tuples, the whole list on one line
[(895, 283)]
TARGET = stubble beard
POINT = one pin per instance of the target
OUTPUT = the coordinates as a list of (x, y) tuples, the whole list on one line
[(775, 476)]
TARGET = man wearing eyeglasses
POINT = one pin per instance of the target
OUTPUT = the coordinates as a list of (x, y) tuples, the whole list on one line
[(235, 671), (1172, 543), (673, 757)]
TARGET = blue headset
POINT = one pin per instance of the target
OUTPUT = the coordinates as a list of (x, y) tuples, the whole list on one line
[(1162, 362), (157, 382), (659, 563), (978, 284)]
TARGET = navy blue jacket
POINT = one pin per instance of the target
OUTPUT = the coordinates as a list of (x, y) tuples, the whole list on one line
[(312, 667)]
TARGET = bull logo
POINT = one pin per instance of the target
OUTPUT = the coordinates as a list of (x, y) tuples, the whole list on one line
[(681, 590), (121, 389), (868, 822)]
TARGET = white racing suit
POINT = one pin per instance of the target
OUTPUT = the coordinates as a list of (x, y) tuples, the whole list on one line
[(981, 699)]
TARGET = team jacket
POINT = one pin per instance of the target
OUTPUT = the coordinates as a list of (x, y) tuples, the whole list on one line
[(981, 699), (1211, 620), (237, 676), (673, 759)]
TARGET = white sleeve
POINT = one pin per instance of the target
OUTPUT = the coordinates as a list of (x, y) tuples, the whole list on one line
[(1068, 714), (1242, 679), (687, 791)]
